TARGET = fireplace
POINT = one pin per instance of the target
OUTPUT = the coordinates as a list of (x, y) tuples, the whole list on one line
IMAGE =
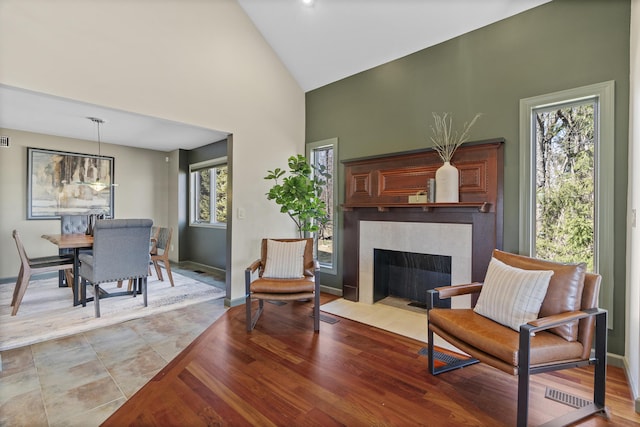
[(378, 215), (451, 241), (408, 275)]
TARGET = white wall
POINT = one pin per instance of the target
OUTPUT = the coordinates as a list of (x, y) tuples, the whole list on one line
[(201, 62), (632, 327)]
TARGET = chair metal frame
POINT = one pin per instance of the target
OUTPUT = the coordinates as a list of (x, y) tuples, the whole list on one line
[(524, 368)]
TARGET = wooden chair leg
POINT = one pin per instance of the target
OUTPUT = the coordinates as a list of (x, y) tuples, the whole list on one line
[(167, 266), (22, 288), (16, 289), (158, 271), (68, 274)]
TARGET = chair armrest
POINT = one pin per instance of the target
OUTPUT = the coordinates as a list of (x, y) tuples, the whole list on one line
[(316, 264), (455, 290), (451, 291), (554, 320), (254, 266)]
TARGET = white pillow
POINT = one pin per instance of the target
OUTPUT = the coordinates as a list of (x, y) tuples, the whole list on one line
[(285, 260), (512, 296)]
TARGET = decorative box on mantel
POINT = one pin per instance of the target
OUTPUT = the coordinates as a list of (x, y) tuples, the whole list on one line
[(378, 189)]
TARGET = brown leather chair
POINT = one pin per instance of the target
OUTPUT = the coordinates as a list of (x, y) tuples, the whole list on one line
[(283, 289), (561, 338)]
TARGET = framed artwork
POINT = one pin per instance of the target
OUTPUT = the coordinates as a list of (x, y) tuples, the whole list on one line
[(62, 183)]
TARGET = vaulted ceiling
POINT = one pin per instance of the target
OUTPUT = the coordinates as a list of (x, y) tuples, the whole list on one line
[(319, 43)]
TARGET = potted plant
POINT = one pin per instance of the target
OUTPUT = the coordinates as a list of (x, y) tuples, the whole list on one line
[(299, 193), (446, 141)]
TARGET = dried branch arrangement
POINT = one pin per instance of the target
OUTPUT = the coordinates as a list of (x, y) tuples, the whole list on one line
[(446, 141)]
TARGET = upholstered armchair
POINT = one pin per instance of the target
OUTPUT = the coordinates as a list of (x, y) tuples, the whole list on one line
[(120, 252), (531, 316), (286, 271)]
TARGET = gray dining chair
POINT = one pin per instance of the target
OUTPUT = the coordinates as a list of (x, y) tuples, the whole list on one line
[(120, 252), (71, 224)]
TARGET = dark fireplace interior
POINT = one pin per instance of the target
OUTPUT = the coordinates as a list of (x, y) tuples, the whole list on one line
[(409, 275)]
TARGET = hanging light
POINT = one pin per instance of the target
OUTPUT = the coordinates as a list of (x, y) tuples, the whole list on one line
[(98, 185)]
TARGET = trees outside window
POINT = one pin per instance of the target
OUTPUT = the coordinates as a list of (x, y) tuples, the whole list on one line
[(208, 194), (323, 156), (565, 205), (567, 143)]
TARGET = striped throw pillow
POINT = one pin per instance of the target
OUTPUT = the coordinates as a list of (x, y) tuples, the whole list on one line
[(512, 296), (285, 260)]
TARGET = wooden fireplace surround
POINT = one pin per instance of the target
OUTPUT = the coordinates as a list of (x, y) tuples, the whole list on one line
[(378, 189)]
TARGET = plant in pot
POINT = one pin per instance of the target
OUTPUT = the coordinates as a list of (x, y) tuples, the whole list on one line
[(299, 193), (446, 141)]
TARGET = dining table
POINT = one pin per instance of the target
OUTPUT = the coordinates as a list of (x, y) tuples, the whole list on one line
[(75, 241)]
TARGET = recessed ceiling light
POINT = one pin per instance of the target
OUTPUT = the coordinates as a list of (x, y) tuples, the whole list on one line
[(308, 2)]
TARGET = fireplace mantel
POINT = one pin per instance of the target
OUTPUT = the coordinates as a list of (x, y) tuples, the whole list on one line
[(377, 189)]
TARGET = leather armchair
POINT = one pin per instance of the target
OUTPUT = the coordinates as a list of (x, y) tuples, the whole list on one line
[(543, 345), (275, 289)]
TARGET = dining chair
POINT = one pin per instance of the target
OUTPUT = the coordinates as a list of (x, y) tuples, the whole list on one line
[(71, 224), (33, 266), (120, 252), (162, 242)]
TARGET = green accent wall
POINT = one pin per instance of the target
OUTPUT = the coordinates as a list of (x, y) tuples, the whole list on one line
[(560, 45)]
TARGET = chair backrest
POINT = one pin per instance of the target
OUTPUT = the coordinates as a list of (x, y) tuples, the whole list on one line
[(586, 327), (565, 287), (24, 259), (308, 262), (163, 236), (121, 249), (72, 224)]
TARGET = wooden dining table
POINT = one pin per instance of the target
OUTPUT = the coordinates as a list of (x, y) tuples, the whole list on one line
[(76, 242)]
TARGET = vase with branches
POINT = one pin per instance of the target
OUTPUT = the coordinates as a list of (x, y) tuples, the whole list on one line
[(299, 193), (446, 141)]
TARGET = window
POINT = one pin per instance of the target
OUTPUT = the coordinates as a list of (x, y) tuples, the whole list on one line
[(323, 155), (566, 181), (208, 193)]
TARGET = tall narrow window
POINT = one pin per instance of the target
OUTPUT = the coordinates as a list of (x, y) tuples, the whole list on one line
[(323, 156), (565, 140), (566, 179), (208, 195)]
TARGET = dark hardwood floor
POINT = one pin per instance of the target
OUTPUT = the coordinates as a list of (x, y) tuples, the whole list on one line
[(349, 374)]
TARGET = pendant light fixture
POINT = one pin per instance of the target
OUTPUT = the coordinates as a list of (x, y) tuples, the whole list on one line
[(98, 185)]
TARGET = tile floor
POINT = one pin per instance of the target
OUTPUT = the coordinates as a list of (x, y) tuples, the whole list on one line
[(82, 379)]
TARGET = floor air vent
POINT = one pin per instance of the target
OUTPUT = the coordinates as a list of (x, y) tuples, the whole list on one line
[(566, 398)]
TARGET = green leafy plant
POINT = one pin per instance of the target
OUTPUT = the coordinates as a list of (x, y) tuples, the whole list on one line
[(299, 193)]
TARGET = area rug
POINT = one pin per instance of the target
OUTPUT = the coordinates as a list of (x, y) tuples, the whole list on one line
[(408, 323), (47, 311), (402, 322)]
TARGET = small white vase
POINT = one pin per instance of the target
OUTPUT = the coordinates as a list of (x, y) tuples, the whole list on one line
[(447, 184)]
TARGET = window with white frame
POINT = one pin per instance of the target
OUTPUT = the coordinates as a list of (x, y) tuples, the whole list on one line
[(566, 181), (208, 193), (323, 155)]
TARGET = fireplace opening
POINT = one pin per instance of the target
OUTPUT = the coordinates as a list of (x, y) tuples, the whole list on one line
[(408, 275)]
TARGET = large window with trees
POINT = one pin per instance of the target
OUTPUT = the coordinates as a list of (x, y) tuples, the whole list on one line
[(566, 181), (323, 155), (208, 193)]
